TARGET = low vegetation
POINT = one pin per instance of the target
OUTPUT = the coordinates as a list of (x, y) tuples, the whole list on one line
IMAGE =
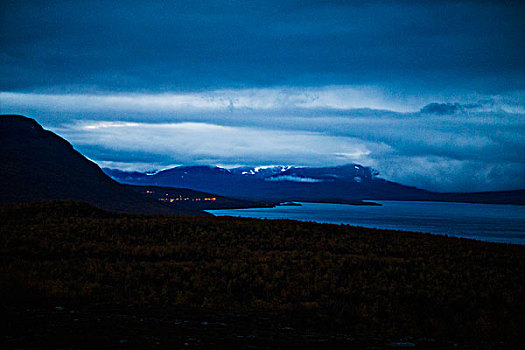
[(315, 276)]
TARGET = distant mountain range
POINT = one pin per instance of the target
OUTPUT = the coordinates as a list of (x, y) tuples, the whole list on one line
[(38, 165), (351, 183)]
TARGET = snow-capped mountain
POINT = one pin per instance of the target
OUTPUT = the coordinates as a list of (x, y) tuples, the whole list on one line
[(260, 172), (347, 183), (350, 181), (350, 172)]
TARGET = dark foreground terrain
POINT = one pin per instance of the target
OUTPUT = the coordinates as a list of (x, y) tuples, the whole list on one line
[(74, 276)]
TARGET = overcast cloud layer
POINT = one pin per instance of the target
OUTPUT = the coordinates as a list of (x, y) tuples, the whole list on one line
[(431, 95)]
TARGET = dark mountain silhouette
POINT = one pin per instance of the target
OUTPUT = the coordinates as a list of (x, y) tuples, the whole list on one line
[(350, 183), (39, 165)]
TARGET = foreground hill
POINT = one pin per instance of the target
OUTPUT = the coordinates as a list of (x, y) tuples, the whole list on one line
[(39, 165), (75, 276)]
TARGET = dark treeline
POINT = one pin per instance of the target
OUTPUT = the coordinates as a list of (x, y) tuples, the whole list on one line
[(316, 275)]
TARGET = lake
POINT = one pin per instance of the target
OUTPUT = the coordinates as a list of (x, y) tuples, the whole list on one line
[(486, 222)]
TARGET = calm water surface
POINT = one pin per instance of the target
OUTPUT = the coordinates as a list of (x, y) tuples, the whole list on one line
[(486, 222)]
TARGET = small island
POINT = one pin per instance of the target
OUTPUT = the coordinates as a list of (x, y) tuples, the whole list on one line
[(290, 204)]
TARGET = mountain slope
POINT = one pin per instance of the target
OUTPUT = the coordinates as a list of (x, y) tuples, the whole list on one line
[(39, 165), (344, 183), (340, 184)]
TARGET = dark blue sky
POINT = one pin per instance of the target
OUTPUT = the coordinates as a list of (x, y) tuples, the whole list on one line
[(195, 45), (341, 81)]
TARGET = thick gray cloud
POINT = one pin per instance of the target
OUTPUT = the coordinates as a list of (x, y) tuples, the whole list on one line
[(477, 145)]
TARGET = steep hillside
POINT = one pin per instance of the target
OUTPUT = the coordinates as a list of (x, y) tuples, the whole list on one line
[(39, 165)]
